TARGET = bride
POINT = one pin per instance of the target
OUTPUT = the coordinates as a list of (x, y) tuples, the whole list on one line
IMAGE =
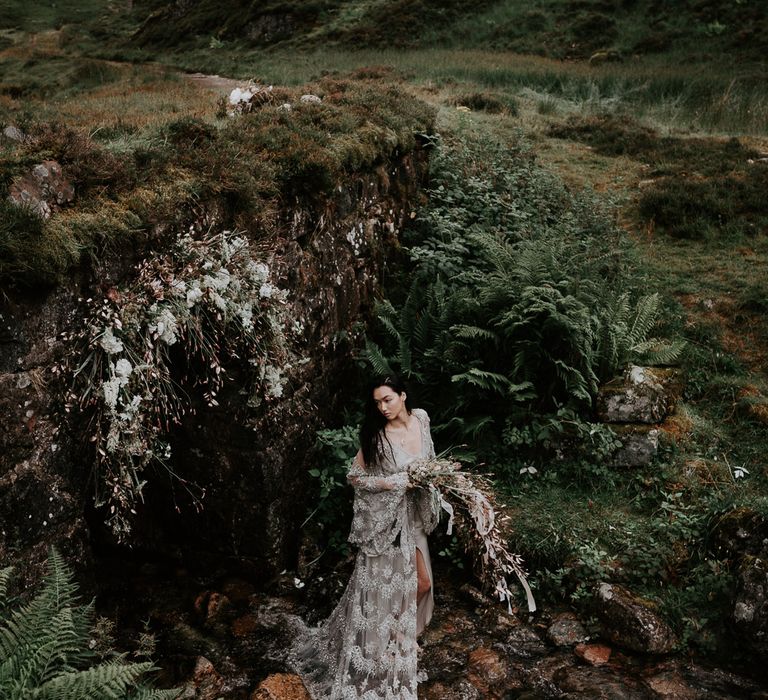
[(366, 649)]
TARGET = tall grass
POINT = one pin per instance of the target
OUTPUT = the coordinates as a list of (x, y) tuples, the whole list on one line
[(704, 97)]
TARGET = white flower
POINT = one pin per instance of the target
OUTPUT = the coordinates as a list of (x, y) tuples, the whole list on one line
[(245, 313), (110, 344), (298, 583), (111, 390), (194, 294), (266, 290), (165, 327), (258, 272), (273, 380), (219, 301), (179, 286), (123, 369)]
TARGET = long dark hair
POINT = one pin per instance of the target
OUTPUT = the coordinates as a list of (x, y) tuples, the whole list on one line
[(372, 435)]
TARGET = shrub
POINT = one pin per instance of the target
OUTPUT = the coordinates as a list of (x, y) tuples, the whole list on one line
[(522, 297)]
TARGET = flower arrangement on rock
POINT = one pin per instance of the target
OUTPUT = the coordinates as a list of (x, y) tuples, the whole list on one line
[(209, 299), (470, 496)]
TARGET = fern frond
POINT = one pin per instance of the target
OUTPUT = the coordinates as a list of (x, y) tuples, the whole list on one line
[(379, 363), (110, 679), (5, 579)]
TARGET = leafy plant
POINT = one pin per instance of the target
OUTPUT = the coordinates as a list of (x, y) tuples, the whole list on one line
[(336, 448), (45, 651)]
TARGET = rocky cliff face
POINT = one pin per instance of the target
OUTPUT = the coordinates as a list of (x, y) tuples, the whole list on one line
[(249, 455)]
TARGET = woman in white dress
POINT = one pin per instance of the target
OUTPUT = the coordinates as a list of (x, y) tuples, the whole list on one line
[(367, 649)]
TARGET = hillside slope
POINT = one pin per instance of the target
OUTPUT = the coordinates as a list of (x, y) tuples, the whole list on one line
[(554, 28)]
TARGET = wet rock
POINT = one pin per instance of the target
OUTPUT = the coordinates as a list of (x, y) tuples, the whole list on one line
[(631, 622), (593, 654), (281, 686), (566, 630), (206, 683), (245, 625), (598, 683), (750, 611), (238, 590), (487, 670), (44, 189), (671, 684), (218, 610), (738, 532), (640, 396), (522, 641), (639, 445), (462, 690)]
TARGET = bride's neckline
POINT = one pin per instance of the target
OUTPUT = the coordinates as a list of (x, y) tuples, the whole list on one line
[(402, 449)]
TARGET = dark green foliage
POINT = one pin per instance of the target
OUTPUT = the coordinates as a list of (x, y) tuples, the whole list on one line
[(335, 450), (45, 653), (521, 299), (706, 188), (717, 207)]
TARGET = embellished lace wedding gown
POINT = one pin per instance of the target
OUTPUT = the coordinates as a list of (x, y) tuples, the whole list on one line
[(366, 649)]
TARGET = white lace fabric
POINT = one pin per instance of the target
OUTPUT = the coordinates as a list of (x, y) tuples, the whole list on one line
[(366, 649)]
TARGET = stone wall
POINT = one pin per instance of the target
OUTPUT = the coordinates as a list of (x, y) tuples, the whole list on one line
[(251, 457)]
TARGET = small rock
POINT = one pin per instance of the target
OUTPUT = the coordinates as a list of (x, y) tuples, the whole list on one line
[(43, 190), (631, 622), (285, 107), (206, 682), (566, 630), (486, 669), (13, 133), (245, 625), (281, 686), (313, 99), (522, 641), (639, 445), (217, 609), (593, 654)]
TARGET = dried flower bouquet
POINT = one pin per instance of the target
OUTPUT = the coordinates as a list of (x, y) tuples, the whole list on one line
[(462, 494)]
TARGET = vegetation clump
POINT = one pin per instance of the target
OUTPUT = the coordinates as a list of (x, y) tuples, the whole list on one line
[(49, 648)]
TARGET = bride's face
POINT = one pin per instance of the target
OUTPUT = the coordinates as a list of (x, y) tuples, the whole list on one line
[(388, 401)]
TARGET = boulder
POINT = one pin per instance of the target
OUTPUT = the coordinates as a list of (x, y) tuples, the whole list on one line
[(639, 445), (44, 189), (566, 630), (738, 532), (642, 395), (750, 610), (631, 622)]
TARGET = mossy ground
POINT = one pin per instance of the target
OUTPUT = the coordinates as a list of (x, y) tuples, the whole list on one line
[(656, 136)]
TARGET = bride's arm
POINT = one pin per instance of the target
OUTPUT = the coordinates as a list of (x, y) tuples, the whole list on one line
[(358, 478)]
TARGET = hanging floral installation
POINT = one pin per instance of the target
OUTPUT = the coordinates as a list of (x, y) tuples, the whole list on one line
[(206, 301), (469, 498)]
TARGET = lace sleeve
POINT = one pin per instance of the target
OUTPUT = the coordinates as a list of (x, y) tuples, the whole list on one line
[(358, 478)]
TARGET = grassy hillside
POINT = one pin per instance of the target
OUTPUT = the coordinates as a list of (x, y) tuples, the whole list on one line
[(562, 29)]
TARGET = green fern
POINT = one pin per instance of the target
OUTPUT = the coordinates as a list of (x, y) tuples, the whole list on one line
[(44, 650)]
